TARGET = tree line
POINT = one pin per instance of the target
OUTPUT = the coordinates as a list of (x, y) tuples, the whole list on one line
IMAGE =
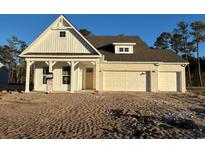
[(9, 55), (185, 39)]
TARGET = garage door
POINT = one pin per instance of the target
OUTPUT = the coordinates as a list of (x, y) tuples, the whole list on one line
[(168, 81), (125, 81)]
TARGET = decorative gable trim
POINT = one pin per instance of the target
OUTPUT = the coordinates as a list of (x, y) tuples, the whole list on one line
[(62, 25)]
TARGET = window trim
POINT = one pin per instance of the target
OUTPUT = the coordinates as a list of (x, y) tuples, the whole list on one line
[(126, 50), (62, 32), (68, 75), (121, 49)]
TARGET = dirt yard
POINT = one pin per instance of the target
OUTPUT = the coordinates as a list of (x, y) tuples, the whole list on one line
[(111, 115)]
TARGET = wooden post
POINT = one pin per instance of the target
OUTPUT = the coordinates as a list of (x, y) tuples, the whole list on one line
[(97, 75), (72, 76), (28, 66)]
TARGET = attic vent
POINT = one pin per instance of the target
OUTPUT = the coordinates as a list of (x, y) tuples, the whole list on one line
[(62, 34)]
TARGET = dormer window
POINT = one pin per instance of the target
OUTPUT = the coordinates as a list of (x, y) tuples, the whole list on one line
[(121, 49), (62, 34), (124, 48)]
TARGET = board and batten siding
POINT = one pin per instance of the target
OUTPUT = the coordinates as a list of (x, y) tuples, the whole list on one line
[(52, 42), (57, 77)]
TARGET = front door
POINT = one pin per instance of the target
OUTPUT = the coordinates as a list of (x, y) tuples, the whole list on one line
[(89, 78)]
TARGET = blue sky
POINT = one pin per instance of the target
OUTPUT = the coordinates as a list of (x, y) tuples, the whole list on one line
[(148, 27)]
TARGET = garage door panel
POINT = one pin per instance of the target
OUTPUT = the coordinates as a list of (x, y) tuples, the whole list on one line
[(168, 81), (124, 81)]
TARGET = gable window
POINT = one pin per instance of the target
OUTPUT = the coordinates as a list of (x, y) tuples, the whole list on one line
[(66, 75), (62, 33), (45, 72)]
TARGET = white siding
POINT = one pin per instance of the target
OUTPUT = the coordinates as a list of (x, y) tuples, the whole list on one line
[(51, 42), (58, 78), (38, 77)]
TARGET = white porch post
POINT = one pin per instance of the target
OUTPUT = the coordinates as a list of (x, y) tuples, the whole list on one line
[(50, 65), (72, 76), (97, 75), (28, 65)]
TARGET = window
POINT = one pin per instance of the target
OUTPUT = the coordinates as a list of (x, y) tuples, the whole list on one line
[(66, 74), (62, 34), (45, 72), (126, 49), (121, 49)]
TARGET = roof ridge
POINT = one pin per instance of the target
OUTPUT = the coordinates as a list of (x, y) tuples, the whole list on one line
[(113, 36)]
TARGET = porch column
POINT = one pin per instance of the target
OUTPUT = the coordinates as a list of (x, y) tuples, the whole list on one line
[(97, 75), (51, 64), (28, 65), (72, 76)]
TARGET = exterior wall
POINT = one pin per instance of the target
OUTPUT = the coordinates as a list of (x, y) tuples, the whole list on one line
[(80, 74), (178, 69), (150, 68), (38, 77), (57, 77), (51, 42), (4, 76)]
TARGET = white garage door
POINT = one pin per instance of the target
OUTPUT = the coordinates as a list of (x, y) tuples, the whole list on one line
[(125, 81), (168, 81)]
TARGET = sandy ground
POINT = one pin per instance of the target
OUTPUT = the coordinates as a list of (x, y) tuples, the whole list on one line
[(112, 115)]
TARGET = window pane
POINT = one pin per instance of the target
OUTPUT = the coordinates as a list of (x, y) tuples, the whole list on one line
[(66, 79), (45, 70), (62, 34), (44, 80), (66, 70), (126, 49), (121, 49)]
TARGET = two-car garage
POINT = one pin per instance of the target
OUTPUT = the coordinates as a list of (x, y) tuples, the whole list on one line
[(140, 81)]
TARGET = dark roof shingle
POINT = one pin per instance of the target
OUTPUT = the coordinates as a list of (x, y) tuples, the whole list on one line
[(142, 53)]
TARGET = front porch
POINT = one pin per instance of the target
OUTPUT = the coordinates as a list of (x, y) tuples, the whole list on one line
[(61, 75)]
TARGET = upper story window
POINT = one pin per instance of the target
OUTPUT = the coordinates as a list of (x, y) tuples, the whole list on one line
[(121, 49), (124, 48), (62, 34)]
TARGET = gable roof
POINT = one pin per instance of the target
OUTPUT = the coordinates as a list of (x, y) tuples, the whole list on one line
[(141, 51), (66, 24)]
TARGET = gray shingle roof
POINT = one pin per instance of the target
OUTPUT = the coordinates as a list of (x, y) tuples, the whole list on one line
[(142, 53)]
